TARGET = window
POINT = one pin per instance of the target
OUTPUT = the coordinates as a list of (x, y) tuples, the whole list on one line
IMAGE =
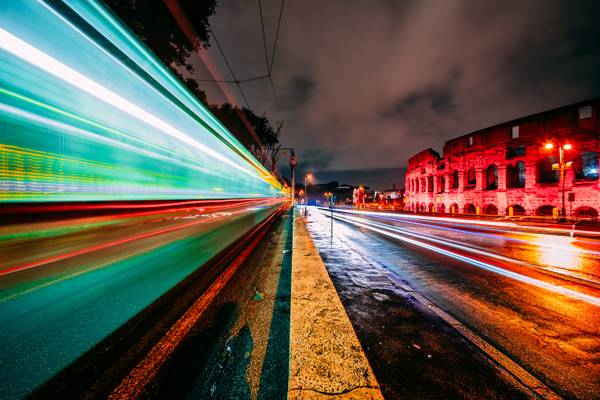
[(430, 183), (514, 132), (455, 179), (470, 140), (515, 152), (442, 185), (491, 178), (585, 112), (471, 178), (515, 175), (545, 173), (585, 165)]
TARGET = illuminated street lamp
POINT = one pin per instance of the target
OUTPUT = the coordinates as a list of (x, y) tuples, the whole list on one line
[(561, 166), (307, 177)]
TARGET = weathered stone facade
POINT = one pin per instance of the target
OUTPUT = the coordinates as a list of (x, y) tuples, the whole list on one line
[(506, 169)]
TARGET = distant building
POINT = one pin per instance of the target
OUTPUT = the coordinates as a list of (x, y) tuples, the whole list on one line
[(506, 169)]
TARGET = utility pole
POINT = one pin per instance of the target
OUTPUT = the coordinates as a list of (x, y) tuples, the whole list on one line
[(293, 163)]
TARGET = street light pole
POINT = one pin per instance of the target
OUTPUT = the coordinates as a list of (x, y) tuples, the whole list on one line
[(562, 167), (307, 176)]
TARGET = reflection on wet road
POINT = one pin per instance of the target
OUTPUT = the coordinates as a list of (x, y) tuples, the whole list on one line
[(533, 293), (67, 284)]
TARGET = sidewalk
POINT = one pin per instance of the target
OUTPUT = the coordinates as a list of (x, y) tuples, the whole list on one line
[(326, 358)]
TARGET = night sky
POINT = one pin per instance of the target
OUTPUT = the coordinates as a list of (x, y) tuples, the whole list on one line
[(363, 85)]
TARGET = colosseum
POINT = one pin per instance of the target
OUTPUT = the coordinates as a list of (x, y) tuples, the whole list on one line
[(514, 168)]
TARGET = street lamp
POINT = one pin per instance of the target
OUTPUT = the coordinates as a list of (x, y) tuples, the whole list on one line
[(562, 166), (307, 177)]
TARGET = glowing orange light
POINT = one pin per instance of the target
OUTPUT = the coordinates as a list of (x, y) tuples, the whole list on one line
[(567, 146), (549, 146)]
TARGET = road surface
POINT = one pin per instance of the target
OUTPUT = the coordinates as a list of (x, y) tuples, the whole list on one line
[(531, 294)]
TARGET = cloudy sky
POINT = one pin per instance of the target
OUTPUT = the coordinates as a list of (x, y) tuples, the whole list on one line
[(365, 84)]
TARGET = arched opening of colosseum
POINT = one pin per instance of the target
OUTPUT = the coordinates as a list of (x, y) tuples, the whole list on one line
[(423, 207), (441, 208), (544, 211), (455, 179), (491, 177), (545, 173), (515, 175), (416, 184), (454, 208), (430, 207), (423, 184), (470, 208), (491, 209), (586, 213), (442, 185), (517, 210), (470, 178)]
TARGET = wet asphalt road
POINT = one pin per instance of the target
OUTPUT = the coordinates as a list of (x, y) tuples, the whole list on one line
[(531, 294)]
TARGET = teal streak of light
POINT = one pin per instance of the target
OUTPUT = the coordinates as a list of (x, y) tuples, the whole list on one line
[(45, 89), (45, 330)]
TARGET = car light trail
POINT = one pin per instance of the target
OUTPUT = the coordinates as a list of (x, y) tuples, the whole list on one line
[(480, 264), (544, 240), (464, 221)]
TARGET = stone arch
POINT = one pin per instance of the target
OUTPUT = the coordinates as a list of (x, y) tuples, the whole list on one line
[(423, 207), (517, 209), (471, 178), (441, 208), (454, 208), (491, 177), (586, 212), (430, 207), (469, 208), (490, 209), (545, 211)]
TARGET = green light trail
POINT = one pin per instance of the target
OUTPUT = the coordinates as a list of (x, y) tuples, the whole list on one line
[(88, 113)]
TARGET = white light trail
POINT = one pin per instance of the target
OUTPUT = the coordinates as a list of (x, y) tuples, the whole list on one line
[(45, 62), (480, 264), (465, 221)]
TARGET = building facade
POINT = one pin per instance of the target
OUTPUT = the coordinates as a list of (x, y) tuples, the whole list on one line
[(509, 168)]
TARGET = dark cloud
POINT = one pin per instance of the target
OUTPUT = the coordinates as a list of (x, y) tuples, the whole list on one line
[(365, 86), (376, 179), (315, 159), (438, 99), (299, 92)]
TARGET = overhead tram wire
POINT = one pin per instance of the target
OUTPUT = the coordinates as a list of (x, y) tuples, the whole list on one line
[(270, 69), (236, 81), (270, 64), (264, 38)]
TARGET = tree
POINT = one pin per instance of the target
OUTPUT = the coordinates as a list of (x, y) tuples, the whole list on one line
[(152, 22), (268, 149)]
